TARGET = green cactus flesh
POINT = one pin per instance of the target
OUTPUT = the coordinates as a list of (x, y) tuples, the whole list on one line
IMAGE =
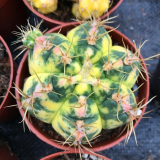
[(80, 83)]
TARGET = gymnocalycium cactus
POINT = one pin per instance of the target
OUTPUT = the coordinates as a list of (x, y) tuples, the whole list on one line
[(82, 9), (80, 83)]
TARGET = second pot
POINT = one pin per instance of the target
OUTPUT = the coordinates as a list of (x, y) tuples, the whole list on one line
[(50, 23)]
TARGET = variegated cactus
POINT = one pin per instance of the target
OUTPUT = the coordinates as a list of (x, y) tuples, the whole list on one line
[(80, 83)]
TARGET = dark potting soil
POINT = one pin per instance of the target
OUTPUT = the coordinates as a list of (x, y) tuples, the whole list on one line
[(104, 134), (4, 71), (64, 11), (76, 157)]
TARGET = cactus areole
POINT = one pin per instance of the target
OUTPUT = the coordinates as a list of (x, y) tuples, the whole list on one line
[(80, 83)]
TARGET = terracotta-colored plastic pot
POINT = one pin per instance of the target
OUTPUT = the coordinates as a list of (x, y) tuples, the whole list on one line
[(55, 155), (52, 23), (23, 73), (6, 154), (12, 13), (7, 114)]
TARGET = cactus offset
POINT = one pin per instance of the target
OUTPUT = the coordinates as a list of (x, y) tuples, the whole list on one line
[(81, 83), (84, 8), (44, 6)]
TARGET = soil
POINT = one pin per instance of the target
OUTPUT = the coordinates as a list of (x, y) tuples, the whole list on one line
[(64, 11), (4, 71), (76, 157)]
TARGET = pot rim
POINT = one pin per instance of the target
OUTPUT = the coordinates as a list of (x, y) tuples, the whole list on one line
[(70, 152), (94, 148), (61, 22), (11, 71)]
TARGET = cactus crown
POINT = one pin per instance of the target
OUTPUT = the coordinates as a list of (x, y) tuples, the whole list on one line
[(81, 87)]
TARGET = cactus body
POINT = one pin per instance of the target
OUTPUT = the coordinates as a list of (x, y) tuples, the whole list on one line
[(85, 8), (44, 6), (81, 84)]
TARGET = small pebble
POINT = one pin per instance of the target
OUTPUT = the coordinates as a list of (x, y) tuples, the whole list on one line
[(51, 133), (93, 157), (40, 124), (144, 14), (131, 28), (84, 155), (56, 137)]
